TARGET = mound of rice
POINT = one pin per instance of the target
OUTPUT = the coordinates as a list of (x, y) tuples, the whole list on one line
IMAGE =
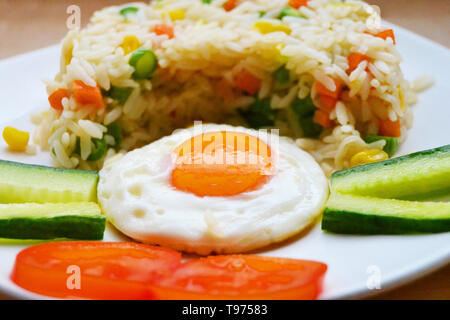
[(196, 77)]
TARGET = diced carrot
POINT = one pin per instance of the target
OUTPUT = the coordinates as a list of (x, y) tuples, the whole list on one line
[(298, 3), (56, 97), (321, 89), (354, 59), (86, 95), (230, 5), (247, 82), (388, 33), (327, 103), (389, 128), (323, 118), (161, 29)]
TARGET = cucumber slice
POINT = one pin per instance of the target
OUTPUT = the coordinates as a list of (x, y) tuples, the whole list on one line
[(30, 183), (423, 174), (352, 214), (76, 220)]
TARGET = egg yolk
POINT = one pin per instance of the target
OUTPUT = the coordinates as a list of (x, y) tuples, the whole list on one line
[(221, 164)]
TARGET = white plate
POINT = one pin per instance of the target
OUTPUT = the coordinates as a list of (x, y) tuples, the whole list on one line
[(353, 261)]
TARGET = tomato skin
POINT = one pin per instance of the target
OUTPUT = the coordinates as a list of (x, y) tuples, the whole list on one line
[(108, 270), (243, 277)]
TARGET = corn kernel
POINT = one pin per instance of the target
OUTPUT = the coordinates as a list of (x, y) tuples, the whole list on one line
[(273, 55), (17, 140), (265, 27), (176, 15), (368, 156), (129, 44)]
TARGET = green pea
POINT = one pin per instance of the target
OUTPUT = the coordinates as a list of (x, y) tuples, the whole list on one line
[(282, 75), (128, 10), (144, 62)]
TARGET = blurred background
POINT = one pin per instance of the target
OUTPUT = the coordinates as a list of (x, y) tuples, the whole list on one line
[(27, 25), (30, 24)]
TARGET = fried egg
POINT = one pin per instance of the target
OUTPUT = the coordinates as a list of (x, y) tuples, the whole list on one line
[(213, 188)]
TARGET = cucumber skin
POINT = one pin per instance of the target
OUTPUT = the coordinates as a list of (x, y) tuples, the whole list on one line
[(371, 166), (39, 167), (367, 168), (70, 227), (338, 221)]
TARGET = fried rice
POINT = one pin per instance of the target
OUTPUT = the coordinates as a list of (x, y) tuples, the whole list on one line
[(203, 50)]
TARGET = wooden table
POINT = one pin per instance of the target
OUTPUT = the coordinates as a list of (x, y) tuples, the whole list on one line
[(26, 25)]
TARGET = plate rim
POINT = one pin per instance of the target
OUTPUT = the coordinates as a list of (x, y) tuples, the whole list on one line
[(396, 279)]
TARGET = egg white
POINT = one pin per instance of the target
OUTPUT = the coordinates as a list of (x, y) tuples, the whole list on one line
[(136, 194)]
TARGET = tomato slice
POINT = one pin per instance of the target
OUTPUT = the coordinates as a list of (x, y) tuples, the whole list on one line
[(107, 270), (243, 277)]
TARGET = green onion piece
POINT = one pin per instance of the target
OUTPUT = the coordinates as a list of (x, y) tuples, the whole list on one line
[(260, 114), (206, 1), (128, 10), (290, 12), (119, 94), (144, 62), (261, 14), (391, 143), (282, 75), (77, 149), (116, 131), (303, 107), (310, 128), (98, 151)]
